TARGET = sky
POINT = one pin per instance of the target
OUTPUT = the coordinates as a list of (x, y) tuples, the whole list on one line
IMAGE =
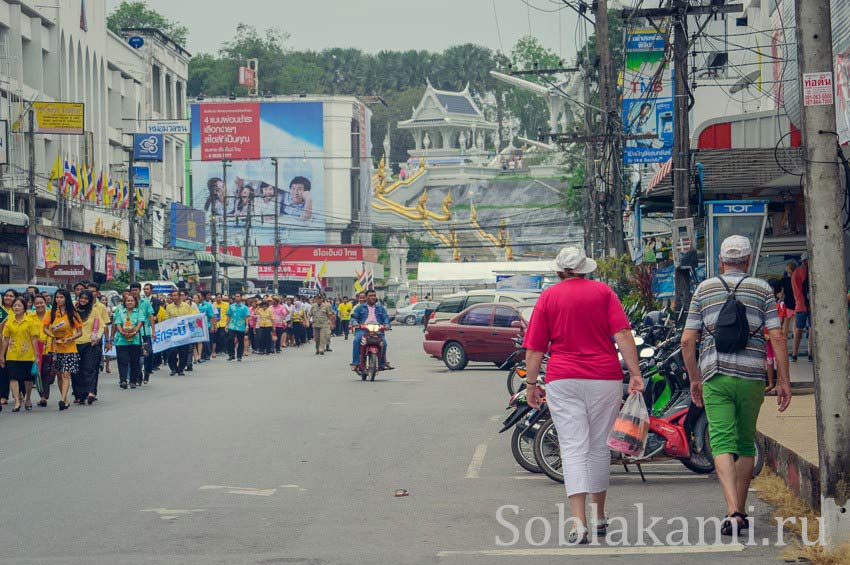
[(375, 25)]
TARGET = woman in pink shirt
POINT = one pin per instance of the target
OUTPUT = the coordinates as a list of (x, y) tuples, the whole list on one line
[(279, 312), (578, 321)]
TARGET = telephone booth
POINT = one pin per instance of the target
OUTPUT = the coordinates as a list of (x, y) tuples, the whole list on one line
[(734, 217)]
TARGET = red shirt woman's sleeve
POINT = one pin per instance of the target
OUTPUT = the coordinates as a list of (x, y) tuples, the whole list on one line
[(537, 333), (617, 319)]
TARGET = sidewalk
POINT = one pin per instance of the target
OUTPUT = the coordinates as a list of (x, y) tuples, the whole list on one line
[(790, 438)]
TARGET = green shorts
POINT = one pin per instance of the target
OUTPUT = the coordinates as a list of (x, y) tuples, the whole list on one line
[(732, 406)]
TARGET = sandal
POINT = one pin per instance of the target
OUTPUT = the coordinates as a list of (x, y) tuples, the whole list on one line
[(578, 536), (731, 526)]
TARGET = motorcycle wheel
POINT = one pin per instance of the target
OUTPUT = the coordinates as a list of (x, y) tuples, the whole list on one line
[(372, 365), (703, 462), (547, 451), (514, 382), (362, 375), (759, 463), (522, 448)]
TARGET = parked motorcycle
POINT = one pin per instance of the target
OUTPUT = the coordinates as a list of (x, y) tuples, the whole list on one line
[(525, 422), (371, 350)]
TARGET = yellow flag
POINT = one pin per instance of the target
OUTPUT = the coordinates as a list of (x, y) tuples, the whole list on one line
[(309, 276), (324, 270), (55, 173)]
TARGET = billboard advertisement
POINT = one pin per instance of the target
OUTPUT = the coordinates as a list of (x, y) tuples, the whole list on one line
[(243, 136), (188, 228), (647, 100), (59, 117)]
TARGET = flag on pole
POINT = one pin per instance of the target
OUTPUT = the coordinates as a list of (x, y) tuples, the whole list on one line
[(91, 192), (322, 273), (84, 181), (99, 188), (107, 194), (370, 280), (140, 202), (66, 185), (55, 173), (308, 278), (125, 195), (75, 181)]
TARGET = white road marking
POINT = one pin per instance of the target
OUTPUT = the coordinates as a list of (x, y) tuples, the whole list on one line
[(172, 513), (398, 403), (600, 551), (477, 461), (241, 490), (289, 486)]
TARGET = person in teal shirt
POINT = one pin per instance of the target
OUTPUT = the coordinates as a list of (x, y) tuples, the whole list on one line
[(237, 323), (127, 324), (149, 326), (206, 308)]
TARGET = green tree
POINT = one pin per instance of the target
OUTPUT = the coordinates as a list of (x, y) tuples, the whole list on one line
[(399, 105), (138, 14), (529, 108)]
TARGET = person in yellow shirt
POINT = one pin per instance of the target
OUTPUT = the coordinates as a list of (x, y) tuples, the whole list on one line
[(344, 311), (62, 325), (40, 305), (265, 326), (220, 342), (17, 355), (84, 381), (178, 357)]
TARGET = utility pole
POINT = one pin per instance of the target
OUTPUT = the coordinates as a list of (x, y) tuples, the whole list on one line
[(590, 199), (214, 247), (276, 225), (224, 165), (681, 140), (247, 242), (31, 225), (827, 274), (131, 210)]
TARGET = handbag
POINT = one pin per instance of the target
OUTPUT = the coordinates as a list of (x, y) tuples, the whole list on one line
[(48, 369), (36, 378)]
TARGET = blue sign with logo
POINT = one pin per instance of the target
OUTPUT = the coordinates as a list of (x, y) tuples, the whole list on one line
[(136, 41), (142, 176), (147, 147), (738, 207), (663, 283)]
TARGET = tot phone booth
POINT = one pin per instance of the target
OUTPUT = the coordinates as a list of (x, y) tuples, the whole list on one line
[(734, 217)]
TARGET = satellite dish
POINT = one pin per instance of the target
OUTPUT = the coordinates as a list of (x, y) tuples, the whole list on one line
[(136, 41), (745, 82)]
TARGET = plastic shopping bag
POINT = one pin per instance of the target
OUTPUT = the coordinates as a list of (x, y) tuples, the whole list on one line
[(631, 427)]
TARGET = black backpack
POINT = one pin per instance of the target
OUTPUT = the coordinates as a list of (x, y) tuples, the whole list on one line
[(732, 330)]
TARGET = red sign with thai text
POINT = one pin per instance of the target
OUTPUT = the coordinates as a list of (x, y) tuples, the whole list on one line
[(286, 270), (317, 253), (230, 131)]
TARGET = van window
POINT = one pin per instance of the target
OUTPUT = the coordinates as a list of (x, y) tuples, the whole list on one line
[(504, 298), (479, 299), (451, 305)]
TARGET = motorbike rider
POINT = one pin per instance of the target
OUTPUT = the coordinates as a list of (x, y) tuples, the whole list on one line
[(368, 312)]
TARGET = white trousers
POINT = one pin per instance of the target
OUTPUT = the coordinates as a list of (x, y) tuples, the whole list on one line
[(584, 411)]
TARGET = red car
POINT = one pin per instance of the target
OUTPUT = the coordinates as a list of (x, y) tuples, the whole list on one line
[(483, 332)]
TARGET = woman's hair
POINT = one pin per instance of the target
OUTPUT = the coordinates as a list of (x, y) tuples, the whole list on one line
[(14, 294), (85, 311), (240, 204), (22, 300), (70, 311), (130, 296)]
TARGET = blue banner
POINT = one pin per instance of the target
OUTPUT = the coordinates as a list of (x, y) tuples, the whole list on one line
[(147, 147), (184, 330), (663, 283)]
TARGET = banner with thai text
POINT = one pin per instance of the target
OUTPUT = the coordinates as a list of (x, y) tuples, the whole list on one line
[(177, 332)]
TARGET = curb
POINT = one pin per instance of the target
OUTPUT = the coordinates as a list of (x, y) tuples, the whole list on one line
[(801, 476)]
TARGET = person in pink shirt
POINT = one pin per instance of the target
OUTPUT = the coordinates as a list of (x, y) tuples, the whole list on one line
[(578, 321), (279, 313)]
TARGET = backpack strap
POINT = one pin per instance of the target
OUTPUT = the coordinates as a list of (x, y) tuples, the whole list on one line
[(731, 292)]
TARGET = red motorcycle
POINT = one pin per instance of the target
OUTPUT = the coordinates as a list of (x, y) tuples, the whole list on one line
[(371, 350)]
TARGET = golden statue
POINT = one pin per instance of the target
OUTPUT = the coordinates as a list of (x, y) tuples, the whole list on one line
[(381, 167), (473, 214), (447, 205), (422, 162), (421, 205)]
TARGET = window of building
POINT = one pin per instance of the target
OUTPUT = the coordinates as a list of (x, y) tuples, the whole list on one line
[(169, 98), (156, 88), (179, 99)]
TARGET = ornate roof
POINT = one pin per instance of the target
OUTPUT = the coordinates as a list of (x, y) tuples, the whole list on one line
[(445, 107)]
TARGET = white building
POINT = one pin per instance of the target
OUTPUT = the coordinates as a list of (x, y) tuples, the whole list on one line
[(64, 52)]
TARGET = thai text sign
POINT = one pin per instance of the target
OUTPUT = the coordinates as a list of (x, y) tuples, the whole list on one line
[(59, 117), (230, 131), (177, 332), (295, 271), (170, 127), (817, 89)]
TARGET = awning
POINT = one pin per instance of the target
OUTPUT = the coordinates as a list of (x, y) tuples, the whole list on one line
[(10, 218), (7, 260), (157, 253), (223, 258)]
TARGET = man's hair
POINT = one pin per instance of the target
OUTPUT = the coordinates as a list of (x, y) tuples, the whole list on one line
[(303, 181), (136, 285), (93, 285), (149, 285), (737, 261), (371, 291), (212, 182), (33, 287)]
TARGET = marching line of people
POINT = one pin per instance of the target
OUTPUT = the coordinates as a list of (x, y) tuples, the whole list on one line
[(70, 338)]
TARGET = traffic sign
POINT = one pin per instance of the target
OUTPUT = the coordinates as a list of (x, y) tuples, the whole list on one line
[(305, 291)]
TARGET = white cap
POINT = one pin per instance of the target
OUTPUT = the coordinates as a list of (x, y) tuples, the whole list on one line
[(804, 256), (735, 247), (574, 260)]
